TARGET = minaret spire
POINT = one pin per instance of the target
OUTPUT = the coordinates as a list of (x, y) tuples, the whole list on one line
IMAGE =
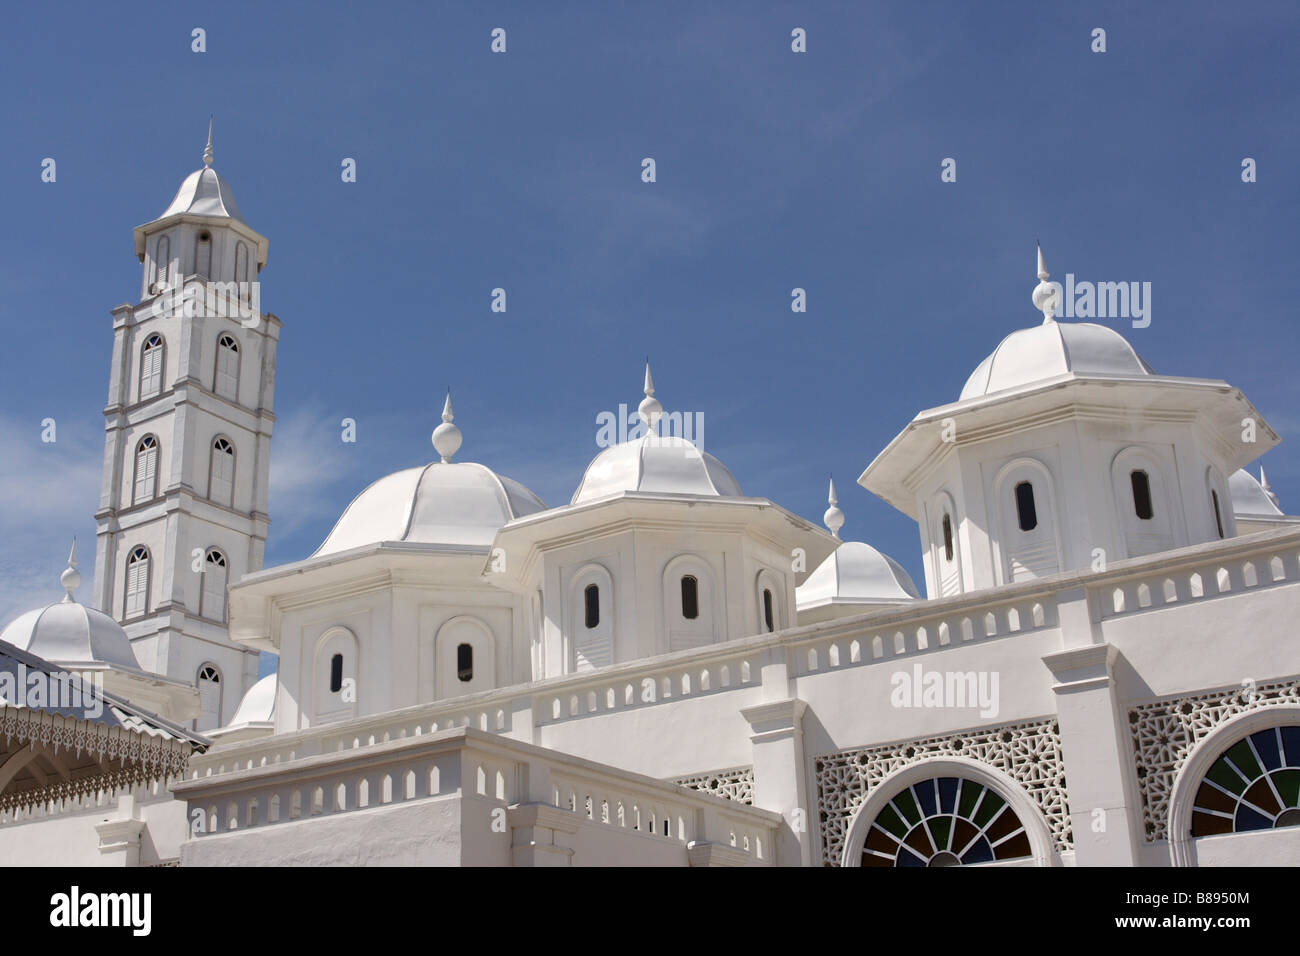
[(650, 409), (207, 150), (446, 437), (1047, 298), (71, 578), (834, 517)]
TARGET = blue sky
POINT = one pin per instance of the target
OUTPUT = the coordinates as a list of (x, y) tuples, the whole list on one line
[(775, 170)]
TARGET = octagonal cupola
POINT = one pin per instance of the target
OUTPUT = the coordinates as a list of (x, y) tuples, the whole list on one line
[(201, 233), (1066, 451)]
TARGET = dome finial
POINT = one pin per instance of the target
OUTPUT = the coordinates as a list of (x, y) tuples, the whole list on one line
[(1263, 483), (71, 578), (446, 437), (834, 517), (207, 150), (1047, 297), (650, 409)]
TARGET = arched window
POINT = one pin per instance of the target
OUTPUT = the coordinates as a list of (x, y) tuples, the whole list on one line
[(1142, 495), (768, 617), (146, 470), (1253, 785), (690, 597), (209, 684), (336, 673), (162, 261), (947, 537), (241, 263), (137, 582), (226, 383), (212, 602), (151, 366), (221, 480), (1026, 513), (464, 662), (203, 254), (1218, 518), (591, 600), (945, 821)]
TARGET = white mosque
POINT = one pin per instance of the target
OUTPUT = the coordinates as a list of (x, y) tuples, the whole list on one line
[(666, 670)]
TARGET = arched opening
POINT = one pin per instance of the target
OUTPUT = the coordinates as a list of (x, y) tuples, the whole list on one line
[(1218, 517), (209, 684), (137, 582), (212, 601), (162, 263), (591, 600), (464, 663), (690, 597), (336, 673), (226, 382), (769, 618), (151, 366), (1142, 506), (1026, 511), (146, 470), (221, 482), (947, 537), (203, 254)]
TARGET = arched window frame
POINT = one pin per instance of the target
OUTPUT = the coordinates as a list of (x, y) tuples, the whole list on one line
[(1012, 541), (768, 582), (209, 672), (329, 705), (148, 457), (162, 256), (137, 582), (153, 356), (440, 671), (1222, 518), (221, 471), (212, 587), (946, 573), (225, 375), (587, 648), (1166, 527), (203, 242)]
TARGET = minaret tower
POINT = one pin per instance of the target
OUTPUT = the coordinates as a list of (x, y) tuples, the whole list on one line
[(182, 508)]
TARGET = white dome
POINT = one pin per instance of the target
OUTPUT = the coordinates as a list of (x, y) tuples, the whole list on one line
[(664, 464), (204, 193), (1051, 349), (856, 573), (453, 503), (1249, 496), (258, 705), (71, 634)]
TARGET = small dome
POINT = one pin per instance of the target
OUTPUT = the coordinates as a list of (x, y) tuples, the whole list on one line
[(1051, 349), (664, 464), (856, 573), (71, 634), (453, 503), (1249, 497), (204, 193), (258, 705)]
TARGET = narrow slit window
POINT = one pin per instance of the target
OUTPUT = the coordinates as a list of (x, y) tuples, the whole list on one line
[(1218, 518), (768, 618), (1026, 512), (947, 537), (591, 597), (336, 673), (464, 662), (1142, 495), (690, 597)]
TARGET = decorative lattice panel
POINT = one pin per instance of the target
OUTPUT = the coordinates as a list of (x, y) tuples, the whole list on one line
[(1165, 731), (1029, 753), (735, 784)]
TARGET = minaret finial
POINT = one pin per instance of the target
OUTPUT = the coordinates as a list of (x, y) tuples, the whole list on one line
[(650, 409), (71, 578), (446, 437), (207, 150), (1047, 298), (834, 517)]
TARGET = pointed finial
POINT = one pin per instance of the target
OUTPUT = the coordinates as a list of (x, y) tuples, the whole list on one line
[(446, 437), (650, 409), (71, 578), (1263, 483), (834, 517), (1047, 298), (207, 150)]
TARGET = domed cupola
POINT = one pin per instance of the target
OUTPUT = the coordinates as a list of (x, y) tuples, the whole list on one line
[(855, 578), (70, 634), (666, 464), (457, 504)]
